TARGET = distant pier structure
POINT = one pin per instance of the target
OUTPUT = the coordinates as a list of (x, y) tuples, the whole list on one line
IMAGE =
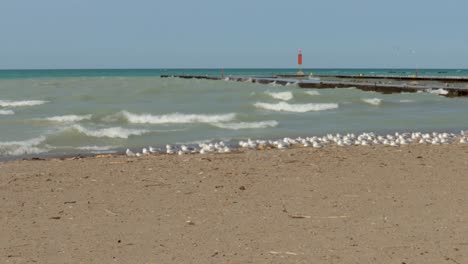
[(445, 86)]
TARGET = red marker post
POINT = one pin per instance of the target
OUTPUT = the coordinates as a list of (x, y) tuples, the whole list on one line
[(299, 62), (299, 58)]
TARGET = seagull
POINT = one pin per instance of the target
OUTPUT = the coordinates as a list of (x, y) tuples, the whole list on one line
[(129, 153), (145, 151), (152, 150)]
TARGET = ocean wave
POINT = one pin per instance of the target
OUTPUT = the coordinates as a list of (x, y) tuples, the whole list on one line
[(246, 125), (291, 83), (96, 148), (9, 103), (372, 101), (111, 132), (439, 91), (175, 118), (68, 118), (286, 96), (298, 108), (406, 101), (18, 148), (312, 93), (6, 112)]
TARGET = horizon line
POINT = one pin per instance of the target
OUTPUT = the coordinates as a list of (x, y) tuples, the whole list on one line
[(234, 68)]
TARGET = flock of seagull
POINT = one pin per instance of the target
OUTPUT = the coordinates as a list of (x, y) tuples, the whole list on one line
[(364, 139)]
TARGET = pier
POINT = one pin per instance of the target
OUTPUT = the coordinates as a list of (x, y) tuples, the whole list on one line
[(381, 84)]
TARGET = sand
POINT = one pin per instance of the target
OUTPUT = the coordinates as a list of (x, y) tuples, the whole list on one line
[(332, 205)]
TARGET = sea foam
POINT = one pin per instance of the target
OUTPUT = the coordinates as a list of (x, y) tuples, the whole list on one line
[(6, 112), (9, 103), (246, 125), (175, 118), (312, 93), (96, 148), (111, 132), (298, 108), (439, 91), (68, 118), (18, 148), (372, 101), (286, 96)]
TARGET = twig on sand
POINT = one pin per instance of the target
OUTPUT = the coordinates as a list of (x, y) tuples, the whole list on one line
[(300, 216), (284, 253), (321, 217), (110, 212)]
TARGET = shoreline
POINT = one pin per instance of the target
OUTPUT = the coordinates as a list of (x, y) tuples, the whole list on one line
[(233, 143), (295, 205)]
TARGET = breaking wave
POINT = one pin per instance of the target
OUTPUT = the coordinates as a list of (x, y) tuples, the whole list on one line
[(111, 132), (96, 148), (372, 101), (68, 118), (312, 93), (298, 108), (18, 148), (439, 91), (286, 96), (246, 125), (6, 112), (9, 103), (175, 118)]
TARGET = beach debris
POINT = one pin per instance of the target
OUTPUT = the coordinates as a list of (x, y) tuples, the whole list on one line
[(110, 212), (290, 253), (300, 216)]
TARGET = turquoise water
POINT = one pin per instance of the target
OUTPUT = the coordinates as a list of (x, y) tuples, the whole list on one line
[(58, 112)]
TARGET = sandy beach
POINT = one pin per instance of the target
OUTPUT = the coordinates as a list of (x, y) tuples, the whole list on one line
[(302, 205)]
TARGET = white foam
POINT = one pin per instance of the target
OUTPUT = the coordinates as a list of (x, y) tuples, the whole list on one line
[(406, 101), (68, 118), (176, 118), (286, 96), (18, 148), (111, 132), (96, 148), (372, 101), (312, 93), (437, 91), (9, 103), (247, 125), (298, 108), (291, 83), (6, 112)]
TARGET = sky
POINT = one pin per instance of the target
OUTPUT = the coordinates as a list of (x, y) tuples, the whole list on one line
[(70, 34)]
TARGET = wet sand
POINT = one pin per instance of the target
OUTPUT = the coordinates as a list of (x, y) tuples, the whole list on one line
[(332, 205)]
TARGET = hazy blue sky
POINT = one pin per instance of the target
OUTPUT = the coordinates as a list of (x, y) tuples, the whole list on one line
[(240, 33)]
